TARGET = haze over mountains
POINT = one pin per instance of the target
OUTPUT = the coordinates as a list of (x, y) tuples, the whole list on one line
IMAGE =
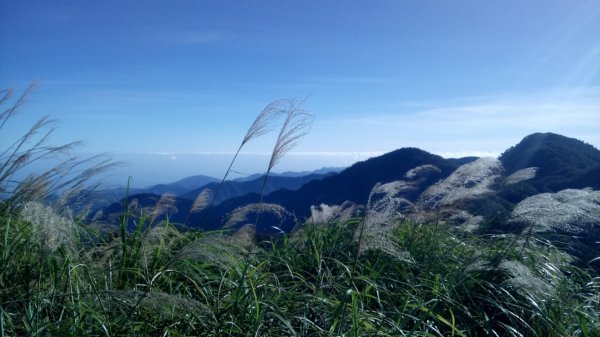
[(189, 187)]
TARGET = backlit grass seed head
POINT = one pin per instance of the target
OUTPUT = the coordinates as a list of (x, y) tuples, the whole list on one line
[(263, 122), (158, 234), (377, 228), (202, 200), (220, 250), (241, 215), (324, 214), (165, 205), (297, 124), (523, 279), (48, 228)]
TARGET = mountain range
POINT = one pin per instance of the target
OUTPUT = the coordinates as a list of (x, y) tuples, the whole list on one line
[(190, 187), (484, 189)]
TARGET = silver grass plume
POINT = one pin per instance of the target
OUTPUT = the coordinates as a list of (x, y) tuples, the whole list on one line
[(66, 178), (263, 123), (325, 214), (202, 200), (297, 124), (376, 229), (48, 228), (217, 249), (11, 111), (240, 214), (155, 239), (165, 205)]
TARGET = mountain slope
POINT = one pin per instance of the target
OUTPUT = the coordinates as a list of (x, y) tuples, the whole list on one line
[(352, 184), (148, 197), (231, 189), (181, 186), (562, 162)]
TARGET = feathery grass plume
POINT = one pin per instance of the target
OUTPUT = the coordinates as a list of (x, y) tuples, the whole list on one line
[(297, 124), (523, 279), (14, 109), (157, 244), (262, 124), (165, 205), (240, 214), (165, 305), (325, 214), (202, 200), (49, 229), (376, 231), (67, 178), (217, 248), (521, 175)]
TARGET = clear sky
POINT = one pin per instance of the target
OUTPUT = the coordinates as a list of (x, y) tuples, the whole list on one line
[(172, 86)]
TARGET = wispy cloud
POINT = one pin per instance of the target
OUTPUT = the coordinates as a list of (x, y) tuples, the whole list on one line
[(485, 125), (466, 153), (545, 110), (361, 154)]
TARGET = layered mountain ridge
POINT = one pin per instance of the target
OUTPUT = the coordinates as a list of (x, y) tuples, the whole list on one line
[(472, 193)]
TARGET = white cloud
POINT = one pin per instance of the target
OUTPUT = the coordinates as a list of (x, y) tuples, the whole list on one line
[(486, 125), (466, 153)]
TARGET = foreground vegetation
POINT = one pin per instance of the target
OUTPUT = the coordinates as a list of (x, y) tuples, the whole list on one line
[(162, 281)]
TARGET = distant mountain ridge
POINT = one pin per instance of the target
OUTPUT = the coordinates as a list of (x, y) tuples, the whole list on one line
[(189, 187), (180, 186), (235, 188), (230, 189), (541, 162), (290, 174), (103, 197), (352, 184)]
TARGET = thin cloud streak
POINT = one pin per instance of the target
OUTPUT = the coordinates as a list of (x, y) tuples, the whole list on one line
[(497, 116), (298, 153)]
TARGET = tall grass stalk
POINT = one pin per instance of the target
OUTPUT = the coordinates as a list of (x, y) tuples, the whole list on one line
[(296, 125), (263, 123), (66, 178)]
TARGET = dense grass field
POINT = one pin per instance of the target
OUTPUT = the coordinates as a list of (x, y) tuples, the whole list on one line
[(61, 277)]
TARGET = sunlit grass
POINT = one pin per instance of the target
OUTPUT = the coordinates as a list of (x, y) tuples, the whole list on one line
[(161, 281)]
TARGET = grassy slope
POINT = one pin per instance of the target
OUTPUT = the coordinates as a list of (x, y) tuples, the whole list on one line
[(162, 281)]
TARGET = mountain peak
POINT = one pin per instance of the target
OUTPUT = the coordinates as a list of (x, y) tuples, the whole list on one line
[(559, 158)]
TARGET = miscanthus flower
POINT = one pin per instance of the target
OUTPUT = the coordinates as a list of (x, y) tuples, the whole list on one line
[(48, 228)]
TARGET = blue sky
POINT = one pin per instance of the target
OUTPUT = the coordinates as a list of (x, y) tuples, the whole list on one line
[(173, 85)]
